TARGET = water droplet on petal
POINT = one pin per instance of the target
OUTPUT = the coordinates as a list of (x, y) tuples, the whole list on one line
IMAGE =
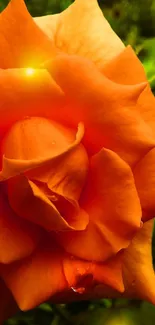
[(78, 290), (53, 197), (84, 283)]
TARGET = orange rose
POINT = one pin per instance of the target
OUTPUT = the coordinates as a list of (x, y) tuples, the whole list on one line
[(77, 121)]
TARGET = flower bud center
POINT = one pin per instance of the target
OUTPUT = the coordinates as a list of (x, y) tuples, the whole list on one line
[(48, 194)]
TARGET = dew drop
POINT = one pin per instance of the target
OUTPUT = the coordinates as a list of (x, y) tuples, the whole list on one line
[(84, 283), (53, 198), (78, 290)]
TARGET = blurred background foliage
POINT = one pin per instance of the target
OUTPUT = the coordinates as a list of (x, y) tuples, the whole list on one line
[(134, 22)]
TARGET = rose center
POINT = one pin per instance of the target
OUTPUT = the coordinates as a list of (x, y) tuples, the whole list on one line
[(61, 172)]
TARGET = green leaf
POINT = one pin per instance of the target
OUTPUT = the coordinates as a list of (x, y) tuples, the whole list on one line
[(112, 316)]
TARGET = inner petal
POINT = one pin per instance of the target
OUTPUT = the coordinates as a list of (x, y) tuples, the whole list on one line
[(59, 171), (30, 202), (36, 137)]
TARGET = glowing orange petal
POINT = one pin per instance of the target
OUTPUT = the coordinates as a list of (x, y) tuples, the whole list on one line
[(22, 43), (12, 166), (25, 96), (18, 238), (69, 176), (34, 279), (83, 275), (145, 107), (66, 180), (29, 202), (8, 306), (110, 273), (138, 273), (64, 176), (127, 69), (86, 38), (112, 203), (48, 24), (58, 153), (138, 270), (144, 173), (106, 108), (36, 137)]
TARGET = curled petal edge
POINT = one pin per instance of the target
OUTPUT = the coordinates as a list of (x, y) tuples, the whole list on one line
[(13, 167)]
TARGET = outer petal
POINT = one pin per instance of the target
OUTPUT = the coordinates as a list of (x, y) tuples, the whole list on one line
[(18, 238), (8, 306), (23, 95), (34, 279), (106, 108), (138, 273), (112, 203), (22, 43), (138, 270), (127, 69), (144, 173), (52, 273), (83, 275), (64, 175), (92, 38)]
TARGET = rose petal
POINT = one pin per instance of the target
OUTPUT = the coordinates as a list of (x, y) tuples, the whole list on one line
[(131, 71), (22, 43), (106, 108), (29, 202), (86, 38), (110, 273), (20, 142), (13, 167), (138, 273), (82, 274), (18, 238), (48, 24), (60, 179), (63, 183), (24, 95), (144, 173), (138, 270), (69, 176), (58, 168), (34, 279), (127, 69), (112, 203), (64, 176), (8, 306)]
